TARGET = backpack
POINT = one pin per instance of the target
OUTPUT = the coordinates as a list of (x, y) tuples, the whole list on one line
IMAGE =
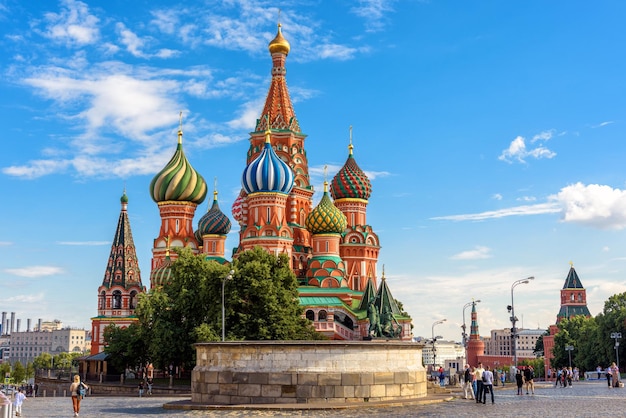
[(82, 390)]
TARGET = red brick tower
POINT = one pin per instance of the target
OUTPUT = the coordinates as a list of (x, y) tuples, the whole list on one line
[(475, 346), (279, 120), (360, 247), (177, 189), (117, 296)]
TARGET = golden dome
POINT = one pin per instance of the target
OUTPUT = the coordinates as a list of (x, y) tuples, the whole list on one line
[(279, 43)]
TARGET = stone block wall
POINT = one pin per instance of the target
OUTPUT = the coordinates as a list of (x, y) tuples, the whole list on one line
[(307, 372)]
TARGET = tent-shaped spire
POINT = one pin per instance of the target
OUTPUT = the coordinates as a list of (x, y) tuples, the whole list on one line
[(369, 294), (572, 281)]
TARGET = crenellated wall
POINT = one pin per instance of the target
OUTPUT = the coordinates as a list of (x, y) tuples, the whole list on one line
[(262, 372)]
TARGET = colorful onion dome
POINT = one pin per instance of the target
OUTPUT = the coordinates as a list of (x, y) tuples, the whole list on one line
[(267, 172), (326, 218), (279, 43), (124, 198), (178, 181), (198, 236), (214, 221), (237, 208), (350, 182), (162, 275)]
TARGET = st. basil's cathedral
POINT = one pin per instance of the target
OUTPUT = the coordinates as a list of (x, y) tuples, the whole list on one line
[(332, 250)]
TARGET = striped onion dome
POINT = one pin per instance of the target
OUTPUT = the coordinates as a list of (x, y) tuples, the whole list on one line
[(350, 182), (237, 208), (214, 221), (326, 218), (162, 275), (198, 236), (267, 172), (178, 181)]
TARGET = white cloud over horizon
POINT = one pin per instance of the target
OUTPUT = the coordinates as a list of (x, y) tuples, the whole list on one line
[(35, 271)]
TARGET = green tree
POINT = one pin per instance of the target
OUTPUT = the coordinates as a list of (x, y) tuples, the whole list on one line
[(19, 373), (126, 346), (63, 361), (263, 302), (4, 369), (43, 361), (539, 351)]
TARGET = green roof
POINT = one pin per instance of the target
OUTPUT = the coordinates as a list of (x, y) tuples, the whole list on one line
[(320, 301)]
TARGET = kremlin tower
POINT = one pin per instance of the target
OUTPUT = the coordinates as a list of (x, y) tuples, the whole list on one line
[(117, 296), (475, 346)]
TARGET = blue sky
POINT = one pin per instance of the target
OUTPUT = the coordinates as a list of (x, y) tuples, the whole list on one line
[(492, 133)]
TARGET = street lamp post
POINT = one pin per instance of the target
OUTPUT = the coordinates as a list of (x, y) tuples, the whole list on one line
[(441, 321), (464, 335), (228, 277), (616, 336), (514, 319), (569, 349)]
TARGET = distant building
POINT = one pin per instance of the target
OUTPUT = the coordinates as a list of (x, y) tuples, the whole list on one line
[(446, 351), (499, 344), (26, 346)]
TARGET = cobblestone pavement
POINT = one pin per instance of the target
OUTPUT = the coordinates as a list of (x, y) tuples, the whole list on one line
[(588, 399)]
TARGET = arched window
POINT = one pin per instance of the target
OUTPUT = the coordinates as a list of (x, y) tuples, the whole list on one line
[(322, 316), (571, 297), (117, 299), (131, 301), (580, 297), (310, 315), (103, 300)]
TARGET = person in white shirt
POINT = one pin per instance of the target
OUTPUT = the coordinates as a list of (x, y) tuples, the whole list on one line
[(487, 384), (478, 373)]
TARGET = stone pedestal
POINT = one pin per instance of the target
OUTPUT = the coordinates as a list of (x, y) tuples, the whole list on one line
[(262, 372)]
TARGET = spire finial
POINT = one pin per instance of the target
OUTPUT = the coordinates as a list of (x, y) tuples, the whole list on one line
[(383, 278), (279, 18), (571, 264), (325, 178), (350, 147), (268, 131), (215, 188), (180, 127)]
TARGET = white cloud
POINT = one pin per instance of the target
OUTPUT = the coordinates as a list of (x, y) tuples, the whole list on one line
[(36, 168), (543, 136), (525, 210), (603, 124), (165, 20), (517, 151), (478, 253), (73, 24), (35, 271), (373, 11), (497, 196), (593, 205), (26, 298), (526, 199), (130, 40)]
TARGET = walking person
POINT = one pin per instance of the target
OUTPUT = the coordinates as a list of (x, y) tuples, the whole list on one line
[(529, 376), (487, 384), (75, 389), (140, 389), (519, 380), (467, 382), (615, 375), (502, 377), (19, 399), (558, 377), (149, 386), (609, 376), (478, 375)]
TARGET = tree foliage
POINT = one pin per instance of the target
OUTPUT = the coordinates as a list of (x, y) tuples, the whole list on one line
[(125, 346), (19, 373), (591, 337), (43, 361), (260, 299)]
